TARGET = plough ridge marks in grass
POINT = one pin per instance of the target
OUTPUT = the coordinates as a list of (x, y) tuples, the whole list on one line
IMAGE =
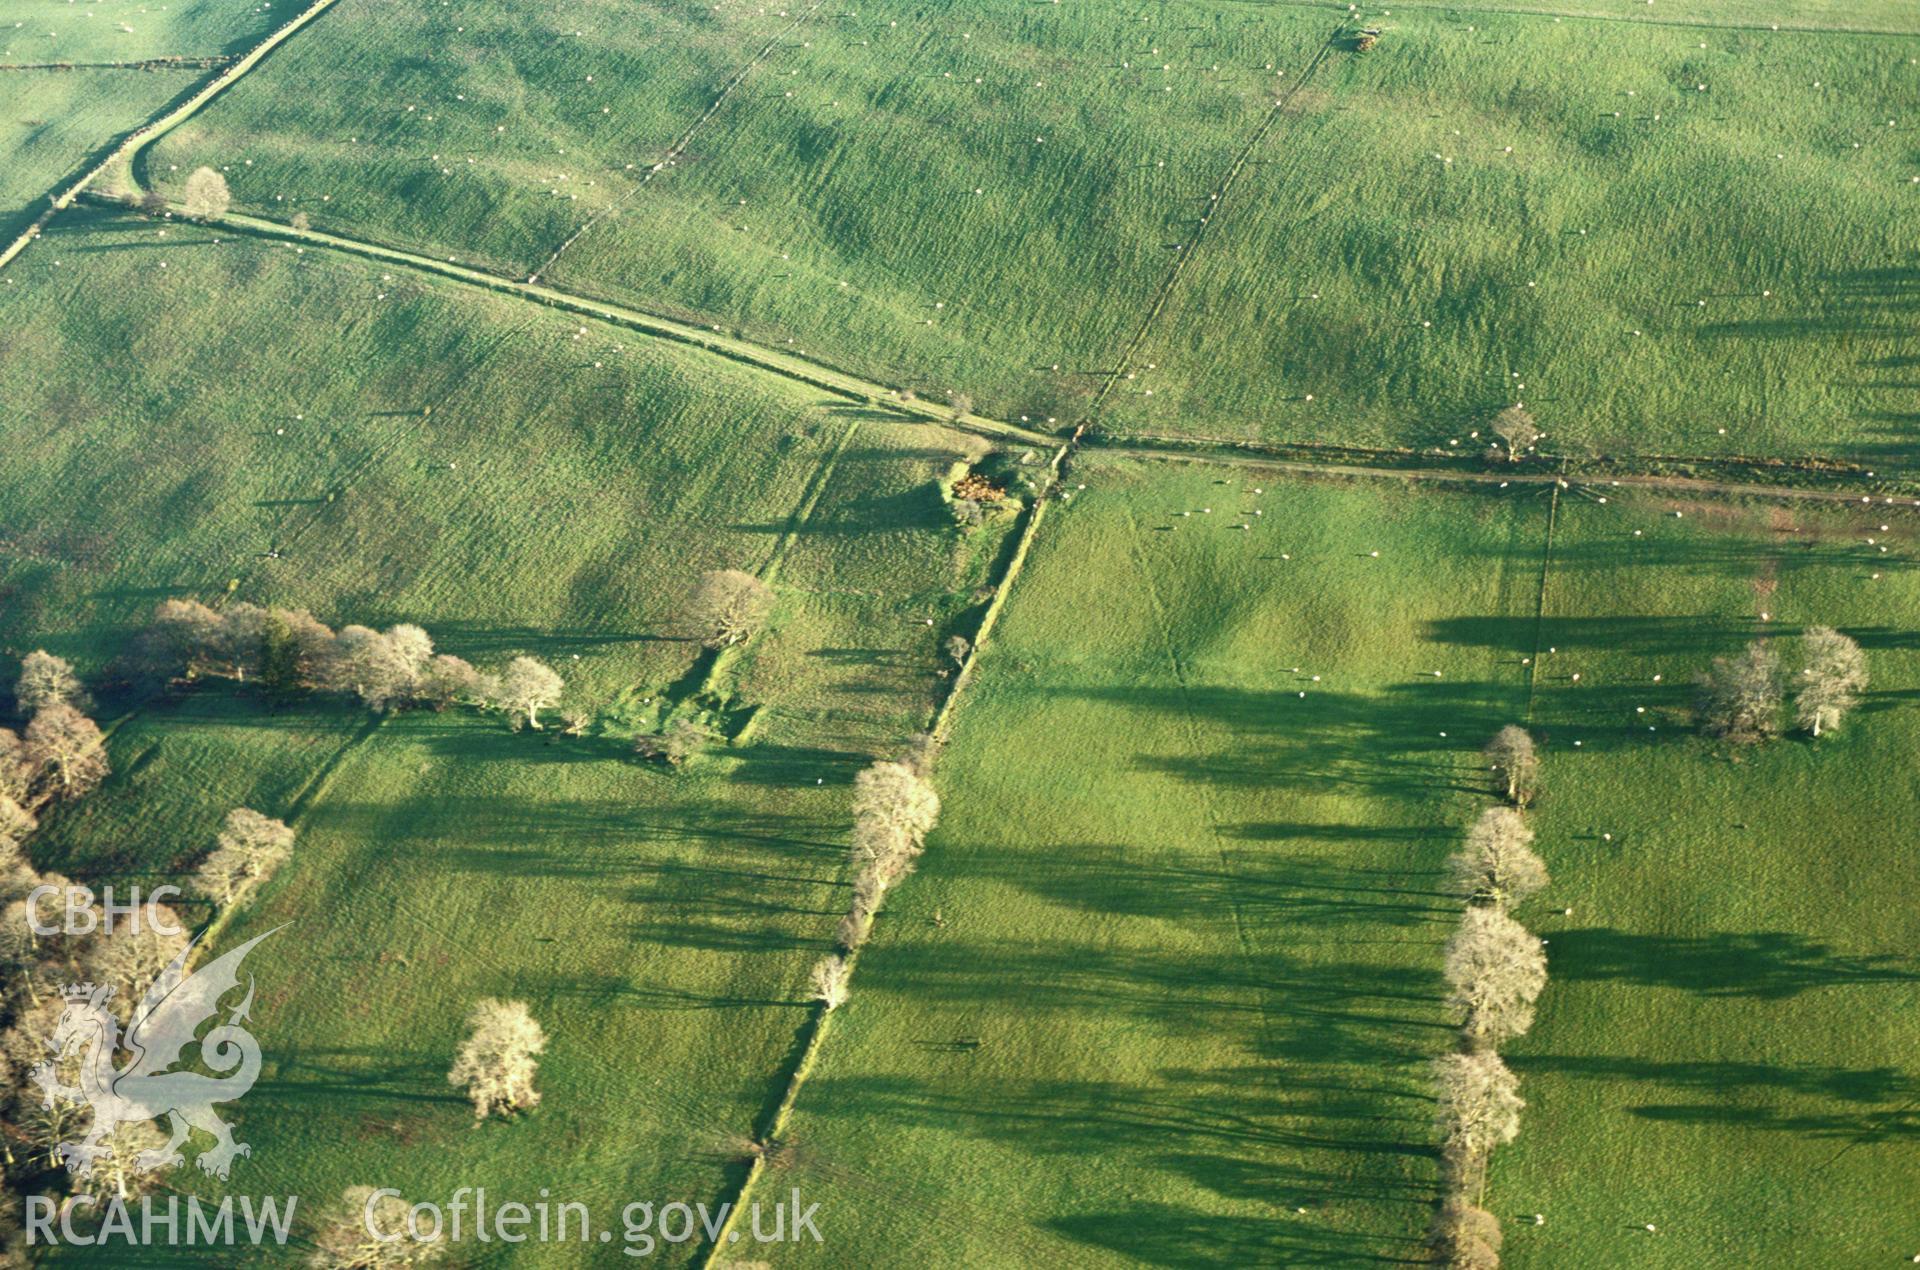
[(679, 147), (1217, 203), (1627, 19), (1394, 463), (1178, 671)]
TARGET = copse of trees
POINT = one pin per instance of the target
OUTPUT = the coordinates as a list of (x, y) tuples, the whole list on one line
[(1743, 698), (291, 650)]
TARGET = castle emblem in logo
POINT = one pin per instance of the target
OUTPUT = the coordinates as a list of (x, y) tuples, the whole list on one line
[(160, 1028)]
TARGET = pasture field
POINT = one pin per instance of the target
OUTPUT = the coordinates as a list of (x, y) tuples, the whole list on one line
[(1168, 971), (1725, 1048), (51, 121), (1664, 240), (662, 922), (96, 31), (829, 202)]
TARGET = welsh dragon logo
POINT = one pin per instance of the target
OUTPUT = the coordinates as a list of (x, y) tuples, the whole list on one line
[(161, 1026)]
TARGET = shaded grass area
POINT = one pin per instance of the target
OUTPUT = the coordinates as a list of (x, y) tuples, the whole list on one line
[(1725, 1047), (1168, 972)]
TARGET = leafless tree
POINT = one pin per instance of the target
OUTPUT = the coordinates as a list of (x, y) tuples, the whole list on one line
[(206, 196), (1496, 865), (367, 1230), (920, 753), (250, 847), (370, 665), (726, 607), (1467, 1237), (180, 639), (1831, 682), (958, 649), (131, 958), (1480, 1109), (1496, 969), (448, 680), (1740, 696), (961, 403), (832, 976), (1511, 756), (1515, 426), (896, 795), (45, 680), (16, 769), (528, 687), (16, 822), (498, 1060), (67, 751)]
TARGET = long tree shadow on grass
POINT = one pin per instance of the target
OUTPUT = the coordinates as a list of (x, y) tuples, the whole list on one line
[(1404, 740), (1766, 964)]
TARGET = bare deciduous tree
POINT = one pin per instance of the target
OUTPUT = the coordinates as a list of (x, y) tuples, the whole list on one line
[(205, 195), (725, 607), (448, 680), (1740, 696), (1515, 426), (1831, 682), (895, 794), (528, 687), (67, 750), (958, 648), (131, 958), (894, 808), (831, 978), (16, 769), (45, 680), (1496, 969), (368, 1230), (250, 847), (1467, 1237), (1511, 756), (1496, 865), (498, 1060), (16, 822), (1480, 1109)]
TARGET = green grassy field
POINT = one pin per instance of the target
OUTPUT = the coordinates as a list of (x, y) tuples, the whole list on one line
[(95, 31), (548, 504), (1166, 983), (53, 120), (1168, 971), (805, 207), (1725, 1048)]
